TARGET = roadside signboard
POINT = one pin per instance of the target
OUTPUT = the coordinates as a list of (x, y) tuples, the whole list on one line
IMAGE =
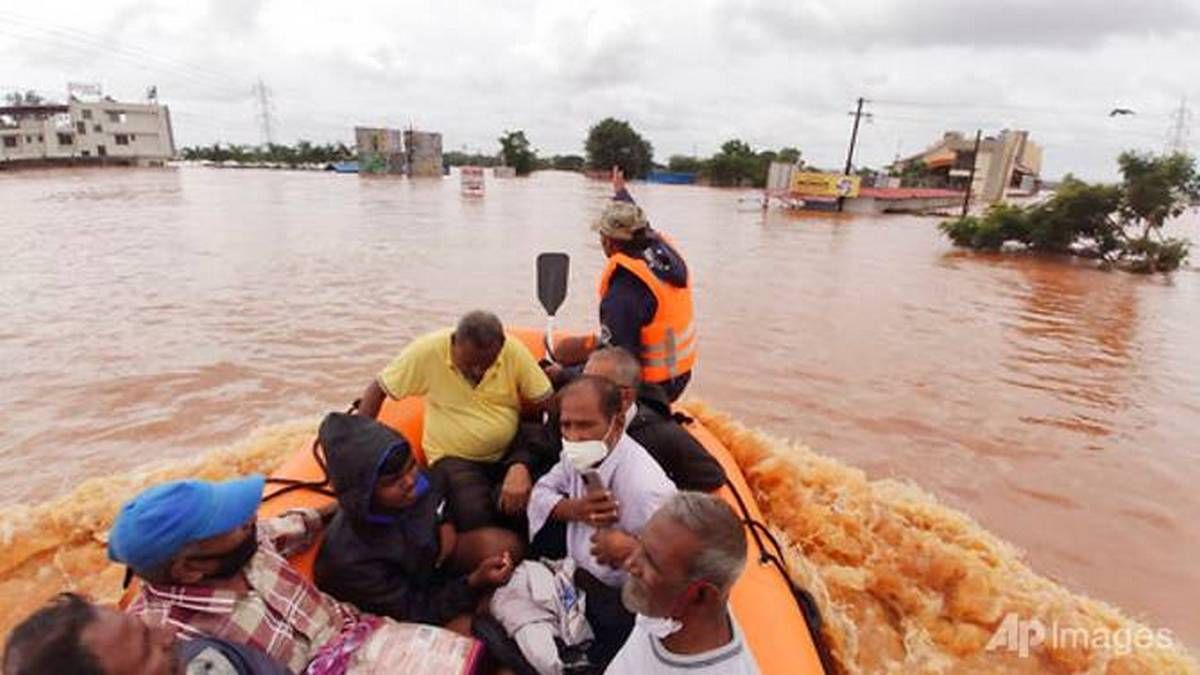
[(831, 185), (472, 180)]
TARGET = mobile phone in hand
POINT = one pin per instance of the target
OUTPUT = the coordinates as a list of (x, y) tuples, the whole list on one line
[(591, 479)]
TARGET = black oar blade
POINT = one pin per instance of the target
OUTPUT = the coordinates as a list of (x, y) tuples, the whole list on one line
[(552, 280)]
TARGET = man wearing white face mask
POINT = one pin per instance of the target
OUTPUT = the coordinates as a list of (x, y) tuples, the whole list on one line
[(602, 519), (688, 557)]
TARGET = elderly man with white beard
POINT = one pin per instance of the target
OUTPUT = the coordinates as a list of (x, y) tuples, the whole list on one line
[(687, 559)]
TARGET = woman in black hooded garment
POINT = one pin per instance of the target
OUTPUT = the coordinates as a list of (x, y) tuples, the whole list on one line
[(387, 550)]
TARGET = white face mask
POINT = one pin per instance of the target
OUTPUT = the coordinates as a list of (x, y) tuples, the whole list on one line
[(659, 626), (584, 455)]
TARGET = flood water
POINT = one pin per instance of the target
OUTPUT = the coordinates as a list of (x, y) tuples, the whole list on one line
[(150, 315)]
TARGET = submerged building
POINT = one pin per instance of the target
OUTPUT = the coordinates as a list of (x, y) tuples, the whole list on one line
[(104, 131), (424, 150), (380, 150), (392, 151), (1008, 163)]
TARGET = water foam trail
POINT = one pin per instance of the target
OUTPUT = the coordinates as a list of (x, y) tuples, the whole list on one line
[(905, 584), (60, 545)]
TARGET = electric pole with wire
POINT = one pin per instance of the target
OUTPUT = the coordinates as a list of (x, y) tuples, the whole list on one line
[(262, 97), (858, 115), (1177, 135)]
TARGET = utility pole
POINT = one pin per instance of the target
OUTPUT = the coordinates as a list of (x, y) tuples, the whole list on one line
[(858, 114), (1177, 135), (263, 99), (971, 177)]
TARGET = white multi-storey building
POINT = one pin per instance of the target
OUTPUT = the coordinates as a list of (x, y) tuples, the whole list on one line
[(103, 132)]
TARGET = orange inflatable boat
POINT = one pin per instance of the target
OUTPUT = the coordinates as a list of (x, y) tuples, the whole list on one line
[(780, 624)]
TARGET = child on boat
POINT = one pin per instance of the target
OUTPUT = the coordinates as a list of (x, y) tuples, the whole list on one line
[(605, 488), (389, 550)]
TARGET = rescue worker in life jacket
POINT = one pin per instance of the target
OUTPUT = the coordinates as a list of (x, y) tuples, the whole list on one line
[(645, 296)]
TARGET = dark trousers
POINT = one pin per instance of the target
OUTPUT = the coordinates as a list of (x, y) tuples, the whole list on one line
[(472, 491), (607, 616), (473, 488), (674, 387)]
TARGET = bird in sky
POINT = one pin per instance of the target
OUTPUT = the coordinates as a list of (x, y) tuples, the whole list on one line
[(1121, 111)]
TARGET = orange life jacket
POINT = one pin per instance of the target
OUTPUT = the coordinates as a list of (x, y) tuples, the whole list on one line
[(669, 340)]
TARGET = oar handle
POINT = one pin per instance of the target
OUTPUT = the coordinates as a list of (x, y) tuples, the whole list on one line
[(549, 339)]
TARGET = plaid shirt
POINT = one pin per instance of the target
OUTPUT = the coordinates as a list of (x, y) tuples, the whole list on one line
[(283, 614)]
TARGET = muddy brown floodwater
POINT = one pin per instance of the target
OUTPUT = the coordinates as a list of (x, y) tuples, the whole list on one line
[(150, 315)]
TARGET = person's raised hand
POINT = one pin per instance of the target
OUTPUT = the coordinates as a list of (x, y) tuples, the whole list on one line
[(612, 547), (618, 179)]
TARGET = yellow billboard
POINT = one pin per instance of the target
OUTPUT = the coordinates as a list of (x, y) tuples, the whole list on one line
[(813, 184)]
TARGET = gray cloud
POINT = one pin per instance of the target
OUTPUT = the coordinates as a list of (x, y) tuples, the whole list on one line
[(859, 24), (689, 75)]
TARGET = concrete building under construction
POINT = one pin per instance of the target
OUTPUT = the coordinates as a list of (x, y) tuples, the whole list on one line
[(104, 131), (424, 150), (1008, 163), (392, 151), (380, 151)]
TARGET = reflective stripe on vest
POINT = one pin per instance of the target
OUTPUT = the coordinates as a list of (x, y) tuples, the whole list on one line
[(671, 351), (668, 342)]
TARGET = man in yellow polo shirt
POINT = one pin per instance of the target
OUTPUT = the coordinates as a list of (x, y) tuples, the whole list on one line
[(476, 385)]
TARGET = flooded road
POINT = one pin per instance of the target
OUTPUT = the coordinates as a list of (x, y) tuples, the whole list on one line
[(152, 315)]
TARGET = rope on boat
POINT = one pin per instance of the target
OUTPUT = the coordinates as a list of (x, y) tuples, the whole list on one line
[(804, 599), (293, 484), (318, 486)]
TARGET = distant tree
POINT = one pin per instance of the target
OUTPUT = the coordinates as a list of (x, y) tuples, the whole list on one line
[(304, 152), (1156, 189), (736, 148), (460, 158), (789, 154), (685, 164), (612, 142), (1091, 219), (219, 154), (567, 163), (736, 164), (240, 154), (516, 152)]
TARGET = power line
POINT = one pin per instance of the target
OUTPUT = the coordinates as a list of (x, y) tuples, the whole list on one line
[(1063, 126), (1002, 107), (89, 44), (218, 84)]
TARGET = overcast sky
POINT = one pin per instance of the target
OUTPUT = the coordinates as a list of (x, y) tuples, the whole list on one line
[(687, 75)]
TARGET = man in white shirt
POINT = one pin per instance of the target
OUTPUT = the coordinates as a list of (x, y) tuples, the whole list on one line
[(687, 559), (602, 519)]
